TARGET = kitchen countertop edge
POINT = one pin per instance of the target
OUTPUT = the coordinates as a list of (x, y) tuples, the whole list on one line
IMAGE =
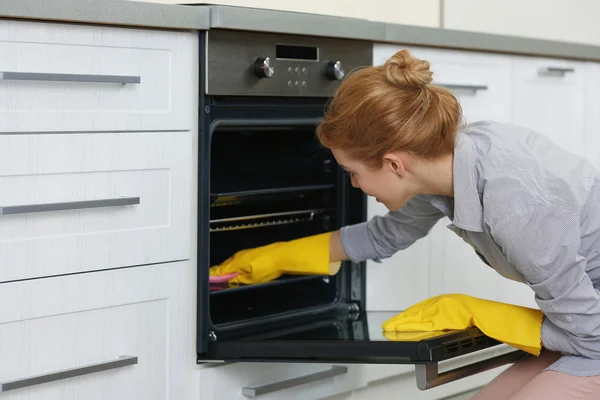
[(109, 12), (206, 17)]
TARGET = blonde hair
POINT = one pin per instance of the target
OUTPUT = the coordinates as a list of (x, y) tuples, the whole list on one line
[(391, 107)]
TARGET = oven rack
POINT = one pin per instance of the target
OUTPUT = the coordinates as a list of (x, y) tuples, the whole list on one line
[(235, 197), (264, 220)]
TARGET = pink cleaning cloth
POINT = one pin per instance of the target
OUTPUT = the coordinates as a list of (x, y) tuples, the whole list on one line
[(222, 278)]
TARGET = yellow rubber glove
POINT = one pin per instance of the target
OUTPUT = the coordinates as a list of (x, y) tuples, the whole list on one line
[(511, 324), (412, 336), (305, 256)]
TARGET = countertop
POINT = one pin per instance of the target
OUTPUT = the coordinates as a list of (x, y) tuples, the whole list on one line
[(206, 17), (109, 12)]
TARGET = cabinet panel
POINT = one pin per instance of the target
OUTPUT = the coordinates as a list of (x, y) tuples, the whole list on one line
[(481, 82), (401, 280), (71, 322), (81, 202), (278, 381), (67, 77), (548, 98)]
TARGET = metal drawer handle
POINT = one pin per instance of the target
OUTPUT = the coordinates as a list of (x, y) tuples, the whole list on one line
[(73, 205), (81, 78), (555, 71), (256, 391), (471, 88), (428, 375), (122, 361)]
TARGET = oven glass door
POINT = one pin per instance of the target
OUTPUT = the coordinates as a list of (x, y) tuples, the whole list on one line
[(359, 340)]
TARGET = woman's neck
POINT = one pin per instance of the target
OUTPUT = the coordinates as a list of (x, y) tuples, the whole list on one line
[(437, 176)]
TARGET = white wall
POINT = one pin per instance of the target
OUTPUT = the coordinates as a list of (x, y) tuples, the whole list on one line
[(563, 20)]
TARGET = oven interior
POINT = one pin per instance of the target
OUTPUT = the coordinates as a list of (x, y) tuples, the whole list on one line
[(269, 183)]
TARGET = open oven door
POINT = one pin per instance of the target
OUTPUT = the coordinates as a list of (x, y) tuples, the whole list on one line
[(352, 338)]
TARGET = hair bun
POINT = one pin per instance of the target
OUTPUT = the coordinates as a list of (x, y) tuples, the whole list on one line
[(405, 71)]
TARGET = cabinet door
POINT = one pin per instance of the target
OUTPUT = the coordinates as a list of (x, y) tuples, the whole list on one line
[(78, 77), (83, 202), (401, 280), (112, 335), (481, 82), (548, 98), (274, 381), (592, 113)]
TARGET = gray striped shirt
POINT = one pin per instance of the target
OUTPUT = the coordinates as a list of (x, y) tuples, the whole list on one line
[(532, 212)]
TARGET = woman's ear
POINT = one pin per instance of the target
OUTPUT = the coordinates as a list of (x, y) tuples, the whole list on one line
[(396, 163)]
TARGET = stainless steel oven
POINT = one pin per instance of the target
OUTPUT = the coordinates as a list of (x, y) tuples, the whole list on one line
[(265, 178)]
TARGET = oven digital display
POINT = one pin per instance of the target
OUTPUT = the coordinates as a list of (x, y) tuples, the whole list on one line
[(296, 52)]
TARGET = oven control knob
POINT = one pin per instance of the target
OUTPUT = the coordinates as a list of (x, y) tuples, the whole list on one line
[(335, 70), (263, 67)]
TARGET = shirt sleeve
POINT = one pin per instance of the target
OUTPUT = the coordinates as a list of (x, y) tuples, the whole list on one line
[(543, 244), (383, 236)]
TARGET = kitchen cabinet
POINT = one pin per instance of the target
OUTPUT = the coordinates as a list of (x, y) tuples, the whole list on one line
[(548, 98), (401, 280), (132, 322), (592, 113), (97, 136), (481, 82), (273, 381), (83, 202), (560, 20), (72, 77)]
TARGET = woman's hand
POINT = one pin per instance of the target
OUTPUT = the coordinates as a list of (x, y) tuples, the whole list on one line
[(305, 256), (515, 325)]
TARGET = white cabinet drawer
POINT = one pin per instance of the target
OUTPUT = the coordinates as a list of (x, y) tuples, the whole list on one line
[(480, 81), (278, 381), (70, 322), (46, 172), (548, 97), (63, 77)]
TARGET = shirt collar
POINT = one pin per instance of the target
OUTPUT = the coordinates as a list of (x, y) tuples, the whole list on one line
[(468, 212)]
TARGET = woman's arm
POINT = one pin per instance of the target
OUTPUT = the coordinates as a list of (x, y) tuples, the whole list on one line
[(383, 236), (336, 250)]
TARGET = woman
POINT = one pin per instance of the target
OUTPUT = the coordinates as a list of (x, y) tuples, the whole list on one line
[(530, 209)]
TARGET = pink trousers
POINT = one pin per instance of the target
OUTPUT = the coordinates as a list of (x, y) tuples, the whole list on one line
[(525, 380)]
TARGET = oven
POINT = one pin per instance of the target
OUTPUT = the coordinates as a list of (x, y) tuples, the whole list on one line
[(263, 177)]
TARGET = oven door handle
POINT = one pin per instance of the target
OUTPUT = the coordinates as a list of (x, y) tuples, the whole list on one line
[(428, 375)]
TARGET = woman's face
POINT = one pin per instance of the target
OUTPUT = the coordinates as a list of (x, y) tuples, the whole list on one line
[(392, 185)]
